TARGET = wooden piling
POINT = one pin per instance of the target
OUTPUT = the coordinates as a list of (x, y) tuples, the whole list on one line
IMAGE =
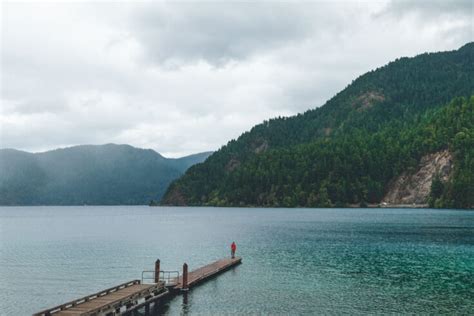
[(157, 270), (185, 277)]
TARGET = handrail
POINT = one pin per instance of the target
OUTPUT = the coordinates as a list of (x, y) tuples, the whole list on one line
[(169, 277), (172, 277)]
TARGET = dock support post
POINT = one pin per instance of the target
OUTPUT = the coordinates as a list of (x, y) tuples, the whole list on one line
[(185, 277), (157, 270)]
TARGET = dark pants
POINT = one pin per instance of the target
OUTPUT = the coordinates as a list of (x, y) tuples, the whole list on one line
[(232, 252)]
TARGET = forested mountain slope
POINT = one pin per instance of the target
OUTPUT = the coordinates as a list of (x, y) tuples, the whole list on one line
[(100, 175), (348, 150)]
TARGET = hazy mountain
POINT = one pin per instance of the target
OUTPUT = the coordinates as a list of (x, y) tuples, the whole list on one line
[(106, 174), (352, 149)]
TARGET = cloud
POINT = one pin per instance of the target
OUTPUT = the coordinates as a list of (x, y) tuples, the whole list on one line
[(430, 8), (219, 33), (449, 20), (188, 77)]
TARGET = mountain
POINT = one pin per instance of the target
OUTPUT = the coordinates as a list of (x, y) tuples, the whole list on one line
[(98, 175), (368, 140), (184, 163)]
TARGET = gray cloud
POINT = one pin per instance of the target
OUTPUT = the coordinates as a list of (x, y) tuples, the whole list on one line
[(452, 19), (430, 8), (219, 33), (183, 78)]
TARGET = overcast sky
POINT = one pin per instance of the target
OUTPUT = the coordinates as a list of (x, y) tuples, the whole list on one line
[(187, 77)]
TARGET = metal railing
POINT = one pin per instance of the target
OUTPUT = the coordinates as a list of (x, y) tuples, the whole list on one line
[(169, 277)]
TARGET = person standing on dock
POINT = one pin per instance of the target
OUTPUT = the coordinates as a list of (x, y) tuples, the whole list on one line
[(233, 248)]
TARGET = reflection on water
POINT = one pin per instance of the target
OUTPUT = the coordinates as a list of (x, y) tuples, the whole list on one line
[(295, 261), (185, 304)]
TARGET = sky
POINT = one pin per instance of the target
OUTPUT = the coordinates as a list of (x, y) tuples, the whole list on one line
[(187, 77)]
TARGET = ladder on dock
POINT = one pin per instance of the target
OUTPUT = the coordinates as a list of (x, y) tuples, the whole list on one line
[(169, 278)]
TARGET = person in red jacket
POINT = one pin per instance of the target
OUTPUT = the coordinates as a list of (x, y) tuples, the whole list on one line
[(233, 248)]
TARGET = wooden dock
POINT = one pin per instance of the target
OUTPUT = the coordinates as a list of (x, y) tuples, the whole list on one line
[(128, 298), (111, 301), (206, 272)]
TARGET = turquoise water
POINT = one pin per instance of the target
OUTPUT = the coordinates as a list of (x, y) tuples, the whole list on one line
[(296, 261)]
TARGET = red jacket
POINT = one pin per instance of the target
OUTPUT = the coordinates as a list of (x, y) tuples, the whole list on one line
[(233, 247)]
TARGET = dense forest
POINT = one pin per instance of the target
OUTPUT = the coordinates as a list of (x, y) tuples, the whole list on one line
[(347, 151), (94, 175)]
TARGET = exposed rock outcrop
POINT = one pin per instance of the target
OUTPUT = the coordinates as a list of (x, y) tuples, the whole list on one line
[(177, 197), (260, 146), (414, 188), (232, 165), (367, 100)]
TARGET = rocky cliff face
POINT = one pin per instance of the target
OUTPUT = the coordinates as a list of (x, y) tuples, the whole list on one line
[(414, 188)]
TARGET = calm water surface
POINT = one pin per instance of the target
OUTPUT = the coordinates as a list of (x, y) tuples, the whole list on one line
[(296, 261)]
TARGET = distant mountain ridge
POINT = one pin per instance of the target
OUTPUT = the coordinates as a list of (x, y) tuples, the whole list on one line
[(348, 151), (88, 174)]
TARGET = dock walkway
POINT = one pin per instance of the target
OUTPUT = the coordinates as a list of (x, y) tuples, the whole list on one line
[(208, 271), (110, 301)]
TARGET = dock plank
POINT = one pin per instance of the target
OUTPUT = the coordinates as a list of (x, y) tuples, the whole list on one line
[(115, 297), (208, 271)]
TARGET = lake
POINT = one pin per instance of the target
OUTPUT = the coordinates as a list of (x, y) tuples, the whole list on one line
[(295, 261)]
